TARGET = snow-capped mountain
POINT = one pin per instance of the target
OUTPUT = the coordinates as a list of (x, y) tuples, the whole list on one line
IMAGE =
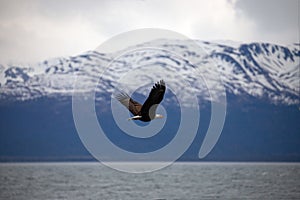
[(262, 90), (261, 70)]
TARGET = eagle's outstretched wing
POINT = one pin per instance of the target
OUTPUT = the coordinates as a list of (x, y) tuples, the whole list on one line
[(133, 106), (155, 97)]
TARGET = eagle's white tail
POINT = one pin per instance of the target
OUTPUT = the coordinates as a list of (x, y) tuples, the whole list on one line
[(135, 117)]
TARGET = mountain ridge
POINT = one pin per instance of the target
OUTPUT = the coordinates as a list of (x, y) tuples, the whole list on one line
[(262, 100), (261, 70)]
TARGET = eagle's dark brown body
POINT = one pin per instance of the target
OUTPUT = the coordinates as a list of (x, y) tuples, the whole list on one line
[(145, 112)]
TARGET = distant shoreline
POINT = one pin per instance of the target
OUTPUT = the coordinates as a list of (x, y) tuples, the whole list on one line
[(91, 160)]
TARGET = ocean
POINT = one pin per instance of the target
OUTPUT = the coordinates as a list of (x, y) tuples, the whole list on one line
[(194, 180)]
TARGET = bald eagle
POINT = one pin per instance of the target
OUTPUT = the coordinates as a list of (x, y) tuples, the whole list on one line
[(147, 111)]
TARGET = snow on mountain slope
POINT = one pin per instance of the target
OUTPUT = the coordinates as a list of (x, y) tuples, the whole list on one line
[(261, 70)]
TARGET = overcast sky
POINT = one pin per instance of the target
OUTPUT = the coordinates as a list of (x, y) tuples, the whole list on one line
[(34, 30)]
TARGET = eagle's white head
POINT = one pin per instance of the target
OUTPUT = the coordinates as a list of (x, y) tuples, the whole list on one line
[(158, 116)]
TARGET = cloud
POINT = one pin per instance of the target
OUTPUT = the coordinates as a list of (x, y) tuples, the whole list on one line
[(28, 34), (271, 15), (38, 29), (275, 20)]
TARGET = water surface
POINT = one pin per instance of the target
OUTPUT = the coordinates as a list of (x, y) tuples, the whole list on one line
[(178, 181)]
